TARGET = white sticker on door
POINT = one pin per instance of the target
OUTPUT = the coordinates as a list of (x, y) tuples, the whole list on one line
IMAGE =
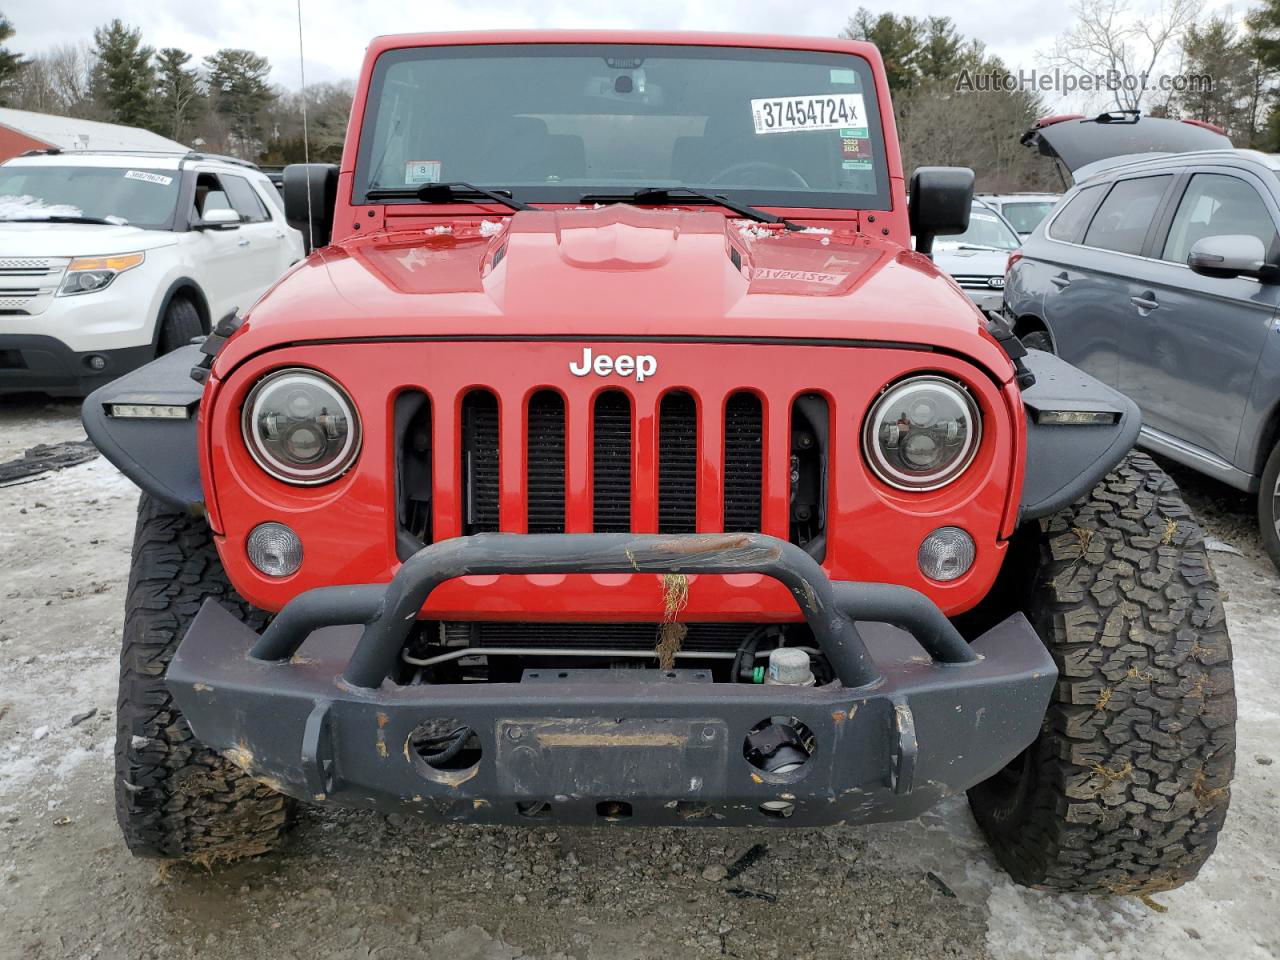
[(821, 111), (422, 171), (146, 177)]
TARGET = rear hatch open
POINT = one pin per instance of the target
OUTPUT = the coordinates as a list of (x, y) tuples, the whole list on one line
[(1082, 144)]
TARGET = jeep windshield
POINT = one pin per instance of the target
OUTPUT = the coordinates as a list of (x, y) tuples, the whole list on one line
[(557, 122), (137, 196)]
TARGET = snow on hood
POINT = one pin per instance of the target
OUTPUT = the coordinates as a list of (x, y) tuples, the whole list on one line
[(966, 260), (33, 208)]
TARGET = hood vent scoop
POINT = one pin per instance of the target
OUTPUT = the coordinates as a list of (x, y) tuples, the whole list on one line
[(617, 237)]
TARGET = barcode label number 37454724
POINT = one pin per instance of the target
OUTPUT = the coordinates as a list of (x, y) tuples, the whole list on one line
[(829, 111)]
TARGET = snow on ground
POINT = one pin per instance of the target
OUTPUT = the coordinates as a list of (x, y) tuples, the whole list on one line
[(357, 885)]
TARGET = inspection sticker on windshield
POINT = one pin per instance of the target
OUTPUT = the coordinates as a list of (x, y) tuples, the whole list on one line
[(822, 111), (146, 177), (422, 171)]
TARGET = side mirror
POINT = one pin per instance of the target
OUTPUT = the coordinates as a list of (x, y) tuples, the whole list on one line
[(223, 218), (1229, 256), (310, 195), (941, 199)]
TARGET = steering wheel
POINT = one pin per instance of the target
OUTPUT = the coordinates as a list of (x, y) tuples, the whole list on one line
[(775, 175)]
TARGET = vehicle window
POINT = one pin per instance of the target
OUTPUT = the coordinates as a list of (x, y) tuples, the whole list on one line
[(1217, 205), (986, 231), (1121, 222), (555, 122), (1025, 215), (245, 199), (1070, 221), (210, 195), (140, 196)]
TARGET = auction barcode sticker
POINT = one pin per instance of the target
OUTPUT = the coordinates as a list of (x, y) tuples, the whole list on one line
[(823, 111), (147, 177)]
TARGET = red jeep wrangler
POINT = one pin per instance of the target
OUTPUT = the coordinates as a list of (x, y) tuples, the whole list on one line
[(615, 459)]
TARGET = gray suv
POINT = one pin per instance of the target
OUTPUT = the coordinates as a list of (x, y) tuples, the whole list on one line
[(1160, 275)]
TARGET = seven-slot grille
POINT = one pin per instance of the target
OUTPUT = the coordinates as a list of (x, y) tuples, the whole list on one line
[(681, 431)]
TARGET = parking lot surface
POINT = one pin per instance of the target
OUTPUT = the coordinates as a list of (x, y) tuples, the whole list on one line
[(360, 885)]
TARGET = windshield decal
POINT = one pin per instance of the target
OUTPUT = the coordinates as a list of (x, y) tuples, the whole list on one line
[(820, 111), (147, 177), (422, 171)]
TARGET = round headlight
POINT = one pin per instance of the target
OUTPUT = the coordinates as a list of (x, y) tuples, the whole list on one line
[(922, 433), (301, 427)]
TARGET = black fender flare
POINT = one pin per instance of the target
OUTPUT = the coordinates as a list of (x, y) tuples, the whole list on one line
[(160, 455), (1065, 461)]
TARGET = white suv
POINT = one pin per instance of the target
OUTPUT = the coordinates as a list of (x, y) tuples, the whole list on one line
[(109, 259)]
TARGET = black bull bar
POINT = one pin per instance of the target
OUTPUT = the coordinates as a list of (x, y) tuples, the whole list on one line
[(915, 712)]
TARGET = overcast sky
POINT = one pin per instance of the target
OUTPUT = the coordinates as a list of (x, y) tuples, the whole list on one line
[(336, 31)]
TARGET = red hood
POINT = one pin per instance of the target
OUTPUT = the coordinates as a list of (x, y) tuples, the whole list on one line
[(617, 272)]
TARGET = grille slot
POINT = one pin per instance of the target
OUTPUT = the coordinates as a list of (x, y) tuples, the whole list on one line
[(480, 462), (611, 463), (743, 467), (677, 464), (545, 462), (413, 477)]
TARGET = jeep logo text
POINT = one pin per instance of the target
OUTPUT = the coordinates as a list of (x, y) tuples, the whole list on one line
[(640, 366)]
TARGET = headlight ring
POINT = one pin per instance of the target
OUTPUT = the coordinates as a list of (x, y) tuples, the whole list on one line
[(301, 427), (922, 433)]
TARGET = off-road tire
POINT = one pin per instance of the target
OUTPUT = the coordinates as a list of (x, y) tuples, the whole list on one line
[(175, 797), (1127, 786), (1268, 507), (1037, 340), (180, 325)]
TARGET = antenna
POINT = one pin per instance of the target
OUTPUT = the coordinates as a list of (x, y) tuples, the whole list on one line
[(306, 140)]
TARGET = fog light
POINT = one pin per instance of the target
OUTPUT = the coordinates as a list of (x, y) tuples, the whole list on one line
[(946, 554), (95, 361), (275, 549)]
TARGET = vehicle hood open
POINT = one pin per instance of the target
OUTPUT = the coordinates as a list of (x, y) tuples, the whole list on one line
[(618, 272), (1080, 142)]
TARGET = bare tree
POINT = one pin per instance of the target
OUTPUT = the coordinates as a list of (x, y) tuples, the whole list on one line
[(60, 81), (1111, 39)]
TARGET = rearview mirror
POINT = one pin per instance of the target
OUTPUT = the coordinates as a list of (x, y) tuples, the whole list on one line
[(941, 198), (222, 218), (1229, 256), (310, 194)]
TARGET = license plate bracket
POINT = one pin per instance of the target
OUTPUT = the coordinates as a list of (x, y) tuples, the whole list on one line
[(607, 757)]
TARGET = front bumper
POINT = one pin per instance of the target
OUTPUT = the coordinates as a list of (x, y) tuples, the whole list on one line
[(46, 364), (916, 714), (986, 299)]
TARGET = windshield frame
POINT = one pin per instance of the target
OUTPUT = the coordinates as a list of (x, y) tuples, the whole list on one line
[(881, 200), (65, 161)]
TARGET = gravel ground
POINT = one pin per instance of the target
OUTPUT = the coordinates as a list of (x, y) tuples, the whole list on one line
[(359, 885)]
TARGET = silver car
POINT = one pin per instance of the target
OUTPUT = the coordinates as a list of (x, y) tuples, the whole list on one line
[(1024, 211), (976, 259)]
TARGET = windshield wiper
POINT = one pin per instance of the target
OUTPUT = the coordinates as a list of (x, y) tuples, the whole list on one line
[(56, 218), (451, 192), (665, 194)]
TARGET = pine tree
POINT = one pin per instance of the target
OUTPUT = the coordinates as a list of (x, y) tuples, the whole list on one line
[(125, 79), (178, 93), (11, 63), (238, 88)]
